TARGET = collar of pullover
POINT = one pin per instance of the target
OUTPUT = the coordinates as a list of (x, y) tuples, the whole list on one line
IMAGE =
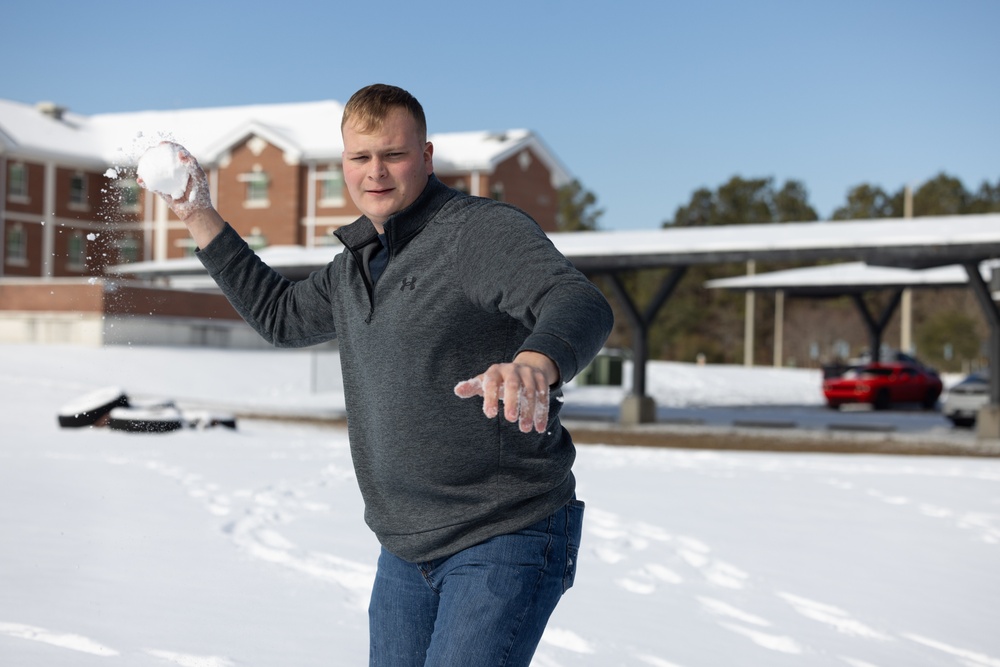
[(402, 226)]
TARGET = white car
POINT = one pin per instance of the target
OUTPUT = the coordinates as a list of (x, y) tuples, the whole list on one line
[(962, 402)]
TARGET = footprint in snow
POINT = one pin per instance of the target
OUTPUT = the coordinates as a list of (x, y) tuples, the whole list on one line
[(748, 624), (66, 640), (567, 640), (968, 657), (834, 617)]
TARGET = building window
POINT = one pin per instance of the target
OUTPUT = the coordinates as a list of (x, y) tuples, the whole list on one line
[(187, 246), (76, 252), (496, 191), (256, 185), (17, 183), (128, 195), (256, 240), (78, 191), (17, 245), (331, 187), (128, 250), (328, 239), (461, 186)]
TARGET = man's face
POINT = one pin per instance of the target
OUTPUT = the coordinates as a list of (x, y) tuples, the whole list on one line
[(387, 169)]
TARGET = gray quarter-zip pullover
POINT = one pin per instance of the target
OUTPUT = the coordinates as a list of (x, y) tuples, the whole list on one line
[(469, 282)]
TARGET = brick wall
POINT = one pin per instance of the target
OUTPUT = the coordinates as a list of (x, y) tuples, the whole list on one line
[(278, 220), (112, 299), (526, 184)]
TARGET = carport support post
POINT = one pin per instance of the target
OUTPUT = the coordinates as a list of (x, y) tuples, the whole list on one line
[(988, 419), (875, 329), (638, 408)]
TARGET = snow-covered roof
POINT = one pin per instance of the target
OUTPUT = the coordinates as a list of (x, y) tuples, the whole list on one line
[(304, 130), (851, 276), (469, 151), (917, 242), (26, 130), (308, 129)]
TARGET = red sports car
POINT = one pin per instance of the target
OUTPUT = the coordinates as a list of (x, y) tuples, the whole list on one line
[(882, 385)]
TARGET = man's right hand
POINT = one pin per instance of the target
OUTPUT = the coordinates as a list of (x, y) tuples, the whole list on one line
[(195, 206)]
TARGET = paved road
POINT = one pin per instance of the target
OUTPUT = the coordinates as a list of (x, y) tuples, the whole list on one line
[(790, 428), (902, 419)]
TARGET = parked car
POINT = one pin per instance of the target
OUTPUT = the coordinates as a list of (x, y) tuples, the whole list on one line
[(962, 403), (883, 384), (840, 367)]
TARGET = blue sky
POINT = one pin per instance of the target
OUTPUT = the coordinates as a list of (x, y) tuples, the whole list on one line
[(644, 102)]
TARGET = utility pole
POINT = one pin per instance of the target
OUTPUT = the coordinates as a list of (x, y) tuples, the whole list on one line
[(749, 317), (906, 306)]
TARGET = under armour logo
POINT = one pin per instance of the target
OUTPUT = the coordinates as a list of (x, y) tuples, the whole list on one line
[(408, 282)]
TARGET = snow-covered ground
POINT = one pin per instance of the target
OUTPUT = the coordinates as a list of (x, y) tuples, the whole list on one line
[(222, 548)]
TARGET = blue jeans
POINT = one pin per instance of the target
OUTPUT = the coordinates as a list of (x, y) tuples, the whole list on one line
[(486, 605)]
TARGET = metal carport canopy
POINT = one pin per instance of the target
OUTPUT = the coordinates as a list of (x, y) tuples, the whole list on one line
[(914, 243), (911, 242), (854, 280)]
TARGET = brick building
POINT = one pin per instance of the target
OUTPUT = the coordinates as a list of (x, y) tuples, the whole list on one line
[(70, 206)]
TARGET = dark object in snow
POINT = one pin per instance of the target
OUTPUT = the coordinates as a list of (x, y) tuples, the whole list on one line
[(112, 408), (153, 420), (151, 403), (92, 408), (202, 419)]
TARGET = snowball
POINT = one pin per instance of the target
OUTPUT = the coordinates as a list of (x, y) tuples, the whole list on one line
[(162, 171), (111, 173)]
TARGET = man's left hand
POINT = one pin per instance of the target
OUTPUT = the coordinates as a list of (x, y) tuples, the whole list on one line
[(522, 385)]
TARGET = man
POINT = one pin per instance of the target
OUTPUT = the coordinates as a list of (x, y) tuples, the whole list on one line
[(477, 515)]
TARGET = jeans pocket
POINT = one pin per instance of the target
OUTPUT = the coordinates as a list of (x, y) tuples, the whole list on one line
[(574, 531)]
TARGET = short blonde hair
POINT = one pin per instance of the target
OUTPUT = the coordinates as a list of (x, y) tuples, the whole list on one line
[(369, 107)]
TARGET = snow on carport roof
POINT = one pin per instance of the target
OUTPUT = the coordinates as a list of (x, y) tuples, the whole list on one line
[(846, 278), (919, 242)]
